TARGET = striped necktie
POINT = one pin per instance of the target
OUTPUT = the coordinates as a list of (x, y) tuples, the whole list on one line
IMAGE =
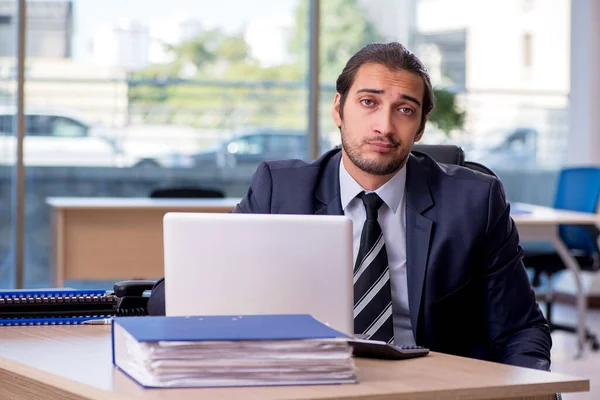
[(372, 290)]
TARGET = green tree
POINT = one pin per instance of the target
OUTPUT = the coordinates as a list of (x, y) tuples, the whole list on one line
[(344, 28), (232, 49), (445, 115), (210, 54), (216, 55)]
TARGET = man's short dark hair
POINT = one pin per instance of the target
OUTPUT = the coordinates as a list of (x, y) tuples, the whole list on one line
[(392, 55)]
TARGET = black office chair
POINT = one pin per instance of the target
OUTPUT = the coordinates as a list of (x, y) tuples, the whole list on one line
[(186, 193), (475, 166), (442, 153), (578, 190), (451, 154)]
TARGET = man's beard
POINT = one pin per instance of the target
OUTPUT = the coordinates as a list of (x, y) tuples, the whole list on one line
[(374, 167)]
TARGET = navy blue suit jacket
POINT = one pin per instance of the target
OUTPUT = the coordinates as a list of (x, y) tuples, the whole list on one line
[(468, 291)]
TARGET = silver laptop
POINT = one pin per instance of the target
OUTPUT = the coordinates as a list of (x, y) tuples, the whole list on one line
[(235, 264)]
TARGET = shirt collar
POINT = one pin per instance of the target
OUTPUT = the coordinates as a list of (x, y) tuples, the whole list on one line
[(390, 192)]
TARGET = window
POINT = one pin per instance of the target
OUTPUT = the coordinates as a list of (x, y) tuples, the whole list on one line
[(284, 144), (66, 127), (7, 124), (248, 145), (527, 50), (164, 83), (445, 55), (527, 5), (38, 125), (8, 86)]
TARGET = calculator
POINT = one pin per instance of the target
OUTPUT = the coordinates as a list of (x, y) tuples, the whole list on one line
[(384, 351)]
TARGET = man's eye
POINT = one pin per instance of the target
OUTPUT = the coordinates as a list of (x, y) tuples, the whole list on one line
[(406, 111), (367, 102)]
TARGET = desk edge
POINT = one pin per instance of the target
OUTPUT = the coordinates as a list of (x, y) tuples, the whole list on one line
[(57, 383)]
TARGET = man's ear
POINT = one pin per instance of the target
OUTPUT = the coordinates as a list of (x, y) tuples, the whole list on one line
[(335, 111), (422, 130)]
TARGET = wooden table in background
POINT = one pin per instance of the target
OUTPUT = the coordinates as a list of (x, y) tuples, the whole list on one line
[(74, 362), (115, 238), (538, 223)]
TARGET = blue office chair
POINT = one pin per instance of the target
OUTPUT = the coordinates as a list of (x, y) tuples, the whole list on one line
[(578, 190)]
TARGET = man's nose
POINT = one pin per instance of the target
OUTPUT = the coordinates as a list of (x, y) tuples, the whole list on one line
[(383, 123)]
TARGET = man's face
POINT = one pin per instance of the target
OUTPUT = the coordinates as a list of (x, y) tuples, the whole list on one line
[(381, 118)]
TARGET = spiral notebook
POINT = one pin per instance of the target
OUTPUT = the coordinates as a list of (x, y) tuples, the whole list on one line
[(55, 306)]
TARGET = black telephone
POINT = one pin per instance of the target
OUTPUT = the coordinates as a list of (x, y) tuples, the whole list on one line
[(131, 298)]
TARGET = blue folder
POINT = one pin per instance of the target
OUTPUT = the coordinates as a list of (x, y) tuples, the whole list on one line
[(58, 306), (230, 328), (219, 328)]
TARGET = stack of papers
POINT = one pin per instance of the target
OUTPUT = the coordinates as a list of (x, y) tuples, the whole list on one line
[(294, 350), (183, 364)]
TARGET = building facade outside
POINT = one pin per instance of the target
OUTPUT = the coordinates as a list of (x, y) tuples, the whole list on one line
[(509, 60), (49, 28)]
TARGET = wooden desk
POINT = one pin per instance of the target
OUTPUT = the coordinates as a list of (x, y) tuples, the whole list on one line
[(121, 238), (74, 362), (115, 238)]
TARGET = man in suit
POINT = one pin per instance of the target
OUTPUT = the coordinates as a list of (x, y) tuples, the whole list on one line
[(437, 256)]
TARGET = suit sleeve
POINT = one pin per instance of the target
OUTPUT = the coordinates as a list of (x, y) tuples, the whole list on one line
[(257, 200), (258, 197), (518, 331)]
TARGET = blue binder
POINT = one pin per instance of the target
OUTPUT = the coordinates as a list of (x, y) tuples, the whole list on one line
[(54, 306), (221, 328), (264, 328)]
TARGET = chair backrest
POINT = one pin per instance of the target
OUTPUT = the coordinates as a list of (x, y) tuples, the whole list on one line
[(475, 166), (451, 154), (442, 153), (579, 190), (187, 193)]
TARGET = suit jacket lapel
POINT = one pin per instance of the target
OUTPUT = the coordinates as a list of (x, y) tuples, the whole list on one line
[(328, 189), (418, 233)]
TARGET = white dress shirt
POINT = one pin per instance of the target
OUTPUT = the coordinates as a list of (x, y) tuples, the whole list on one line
[(392, 219)]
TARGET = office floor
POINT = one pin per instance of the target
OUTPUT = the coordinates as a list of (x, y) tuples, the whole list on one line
[(564, 349)]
